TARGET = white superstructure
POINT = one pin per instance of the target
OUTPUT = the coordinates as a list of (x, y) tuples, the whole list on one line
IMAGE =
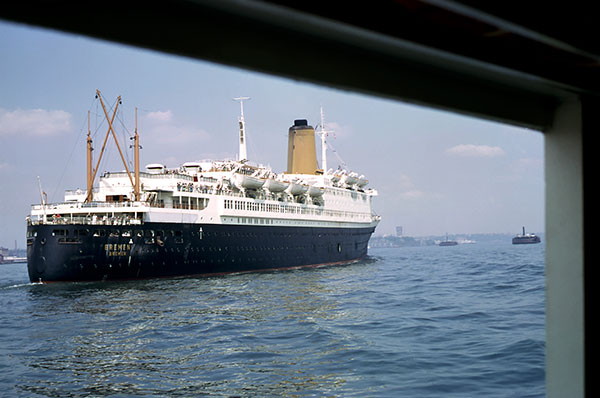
[(221, 192), (225, 192)]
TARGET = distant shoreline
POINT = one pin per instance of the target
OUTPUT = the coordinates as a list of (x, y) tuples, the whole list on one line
[(378, 241)]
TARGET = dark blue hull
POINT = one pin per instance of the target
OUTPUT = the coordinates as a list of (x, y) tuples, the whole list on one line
[(156, 250)]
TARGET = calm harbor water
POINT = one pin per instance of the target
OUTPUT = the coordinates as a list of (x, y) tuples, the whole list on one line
[(419, 322)]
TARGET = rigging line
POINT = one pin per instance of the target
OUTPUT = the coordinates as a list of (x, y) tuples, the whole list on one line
[(96, 120), (105, 160), (106, 157), (70, 156), (332, 149), (95, 113), (330, 146), (82, 128), (120, 117), (254, 151), (95, 132), (102, 116)]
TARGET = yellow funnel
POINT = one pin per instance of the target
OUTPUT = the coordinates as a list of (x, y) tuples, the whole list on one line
[(302, 154)]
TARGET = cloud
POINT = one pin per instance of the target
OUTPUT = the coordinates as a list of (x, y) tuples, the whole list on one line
[(337, 130), (163, 128), (34, 122), (412, 194), (405, 189), (479, 151), (402, 181), (160, 116)]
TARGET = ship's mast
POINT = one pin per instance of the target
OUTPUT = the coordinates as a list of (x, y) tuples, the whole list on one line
[(90, 180), (42, 197), (135, 185), (242, 154), (136, 160), (323, 143)]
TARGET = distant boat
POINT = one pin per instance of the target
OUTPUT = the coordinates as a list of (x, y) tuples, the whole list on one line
[(12, 259), (448, 242), (525, 239)]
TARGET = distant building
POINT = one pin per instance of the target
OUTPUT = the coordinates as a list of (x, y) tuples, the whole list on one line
[(399, 231)]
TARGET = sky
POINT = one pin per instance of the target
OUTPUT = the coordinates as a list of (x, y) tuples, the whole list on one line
[(436, 172)]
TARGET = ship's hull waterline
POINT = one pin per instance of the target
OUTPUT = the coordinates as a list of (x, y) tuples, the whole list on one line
[(72, 253)]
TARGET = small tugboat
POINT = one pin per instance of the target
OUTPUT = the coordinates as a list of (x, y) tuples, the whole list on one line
[(525, 239), (448, 242)]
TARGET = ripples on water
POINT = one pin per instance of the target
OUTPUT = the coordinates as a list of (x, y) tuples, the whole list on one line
[(413, 322)]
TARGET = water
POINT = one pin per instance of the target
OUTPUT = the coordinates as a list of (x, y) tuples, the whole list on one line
[(458, 321)]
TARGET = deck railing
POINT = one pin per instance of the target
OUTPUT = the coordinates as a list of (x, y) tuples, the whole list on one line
[(123, 213)]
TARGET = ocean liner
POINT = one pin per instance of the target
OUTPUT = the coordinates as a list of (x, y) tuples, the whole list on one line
[(202, 218)]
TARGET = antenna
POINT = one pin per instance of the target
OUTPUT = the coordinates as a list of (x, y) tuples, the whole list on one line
[(243, 154)]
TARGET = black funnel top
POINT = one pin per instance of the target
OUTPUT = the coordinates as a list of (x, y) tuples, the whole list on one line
[(300, 122)]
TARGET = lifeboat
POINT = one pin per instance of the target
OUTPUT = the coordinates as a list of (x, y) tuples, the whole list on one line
[(247, 182), (350, 178), (156, 168), (362, 181), (296, 188), (192, 166), (315, 191), (276, 185)]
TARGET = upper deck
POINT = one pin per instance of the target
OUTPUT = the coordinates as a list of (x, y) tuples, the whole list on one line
[(207, 201), (223, 192)]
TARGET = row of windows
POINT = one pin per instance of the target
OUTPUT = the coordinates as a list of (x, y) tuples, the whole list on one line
[(347, 193), (269, 207), (118, 233), (288, 209), (190, 203), (150, 233), (253, 206)]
